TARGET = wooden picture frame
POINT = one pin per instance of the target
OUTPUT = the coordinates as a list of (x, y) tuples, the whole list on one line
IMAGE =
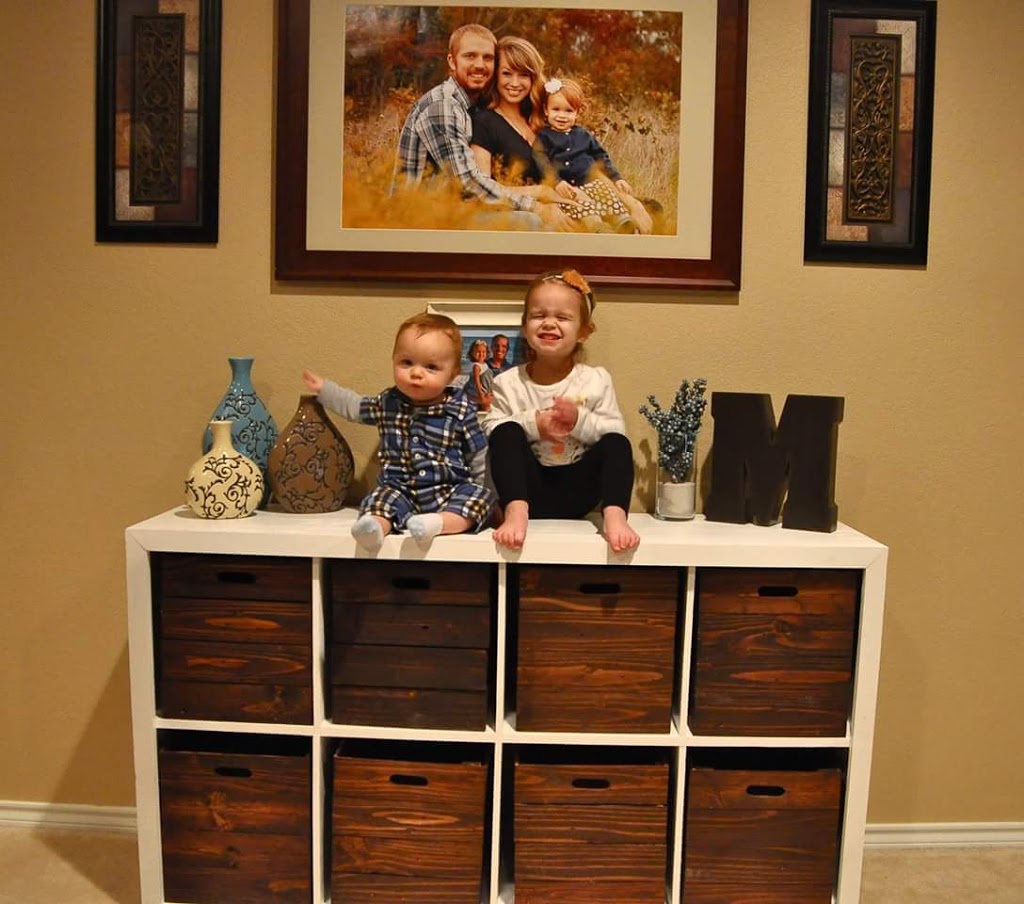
[(489, 322), (869, 133), (157, 120), (438, 256)]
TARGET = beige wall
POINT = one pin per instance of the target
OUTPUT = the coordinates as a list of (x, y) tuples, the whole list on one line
[(114, 357)]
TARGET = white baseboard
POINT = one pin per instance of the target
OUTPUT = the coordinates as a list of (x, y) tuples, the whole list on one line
[(943, 834), (27, 814)]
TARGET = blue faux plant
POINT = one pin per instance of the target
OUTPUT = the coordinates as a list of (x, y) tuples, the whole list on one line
[(678, 427)]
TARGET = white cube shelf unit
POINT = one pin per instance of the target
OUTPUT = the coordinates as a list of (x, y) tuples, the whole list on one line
[(691, 553)]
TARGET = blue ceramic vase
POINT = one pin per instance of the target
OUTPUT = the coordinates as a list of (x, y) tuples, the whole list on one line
[(253, 431)]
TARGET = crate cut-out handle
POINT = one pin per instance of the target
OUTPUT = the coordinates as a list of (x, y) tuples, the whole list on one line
[(591, 784), (410, 583), (236, 577), (766, 790), (601, 587), (777, 590), (233, 771), (418, 781)]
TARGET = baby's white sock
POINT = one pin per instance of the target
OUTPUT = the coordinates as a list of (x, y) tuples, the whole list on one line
[(425, 527), (368, 533)]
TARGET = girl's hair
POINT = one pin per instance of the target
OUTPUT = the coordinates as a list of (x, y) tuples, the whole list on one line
[(433, 323), (575, 281), (569, 88), (478, 343), (520, 55)]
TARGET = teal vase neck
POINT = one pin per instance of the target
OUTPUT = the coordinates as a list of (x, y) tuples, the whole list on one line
[(241, 372)]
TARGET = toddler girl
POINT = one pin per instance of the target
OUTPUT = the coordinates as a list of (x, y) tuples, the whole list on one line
[(432, 450), (481, 379), (573, 160), (557, 439)]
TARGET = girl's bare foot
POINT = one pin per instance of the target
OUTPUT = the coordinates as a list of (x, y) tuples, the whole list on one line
[(512, 531), (617, 532)]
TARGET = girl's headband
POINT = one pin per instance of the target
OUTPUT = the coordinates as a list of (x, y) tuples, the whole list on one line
[(574, 279)]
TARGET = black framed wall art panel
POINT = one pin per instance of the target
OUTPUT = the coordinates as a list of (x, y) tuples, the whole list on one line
[(157, 120), (869, 137)]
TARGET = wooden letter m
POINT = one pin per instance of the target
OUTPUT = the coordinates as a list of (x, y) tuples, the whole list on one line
[(753, 462)]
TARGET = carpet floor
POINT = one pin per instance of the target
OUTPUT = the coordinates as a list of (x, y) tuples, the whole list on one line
[(56, 866)]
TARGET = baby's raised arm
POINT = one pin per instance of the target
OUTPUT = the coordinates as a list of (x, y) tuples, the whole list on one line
[(340, 399)]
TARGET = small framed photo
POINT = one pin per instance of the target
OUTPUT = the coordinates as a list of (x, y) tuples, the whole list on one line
[(491, 342)]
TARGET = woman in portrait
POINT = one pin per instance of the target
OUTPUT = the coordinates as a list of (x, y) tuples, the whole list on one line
[(505, 130)]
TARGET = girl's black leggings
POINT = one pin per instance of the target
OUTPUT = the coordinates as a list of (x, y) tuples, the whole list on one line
[(603, 475)]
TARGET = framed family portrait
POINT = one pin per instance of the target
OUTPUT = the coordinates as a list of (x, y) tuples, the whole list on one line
[(869, 134), (660, 90)]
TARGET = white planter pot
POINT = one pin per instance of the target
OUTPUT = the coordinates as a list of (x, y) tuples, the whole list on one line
[(676, 501)]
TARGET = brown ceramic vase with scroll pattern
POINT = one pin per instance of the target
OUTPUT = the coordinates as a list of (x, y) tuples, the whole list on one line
[(310, 467)]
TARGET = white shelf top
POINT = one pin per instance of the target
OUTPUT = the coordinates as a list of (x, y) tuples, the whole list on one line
[(698, 542)]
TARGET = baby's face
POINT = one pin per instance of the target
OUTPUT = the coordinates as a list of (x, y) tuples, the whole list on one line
[(424, 364), (561, 115)]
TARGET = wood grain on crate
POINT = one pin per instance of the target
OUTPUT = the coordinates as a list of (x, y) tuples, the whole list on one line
[(244, 869), (746, 841), (387, 797), (409, 707), (275, 703), (247, 621), (408, 831), (419, 583), (593, 832), (365, 888), (596, 648), (235, 827), (412, 625), (235, 577), (235, 638), (773, 651)]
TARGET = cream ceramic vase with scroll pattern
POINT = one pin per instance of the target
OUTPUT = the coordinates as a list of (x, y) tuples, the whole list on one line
[(223, 483)]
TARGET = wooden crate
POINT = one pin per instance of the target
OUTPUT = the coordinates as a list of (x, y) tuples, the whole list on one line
[(408, 830), (411, 643), (591, 832), (236, 826), (769, 837), (596, 648), (234, 638), (773, 651)]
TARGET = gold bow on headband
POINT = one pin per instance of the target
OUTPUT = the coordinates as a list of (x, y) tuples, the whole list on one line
[(575, 280)]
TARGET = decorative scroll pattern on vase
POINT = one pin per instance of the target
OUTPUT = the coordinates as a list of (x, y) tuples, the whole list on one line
[(872, 128), (157, 103), (223, 483), (310, 467), (253, 429)]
